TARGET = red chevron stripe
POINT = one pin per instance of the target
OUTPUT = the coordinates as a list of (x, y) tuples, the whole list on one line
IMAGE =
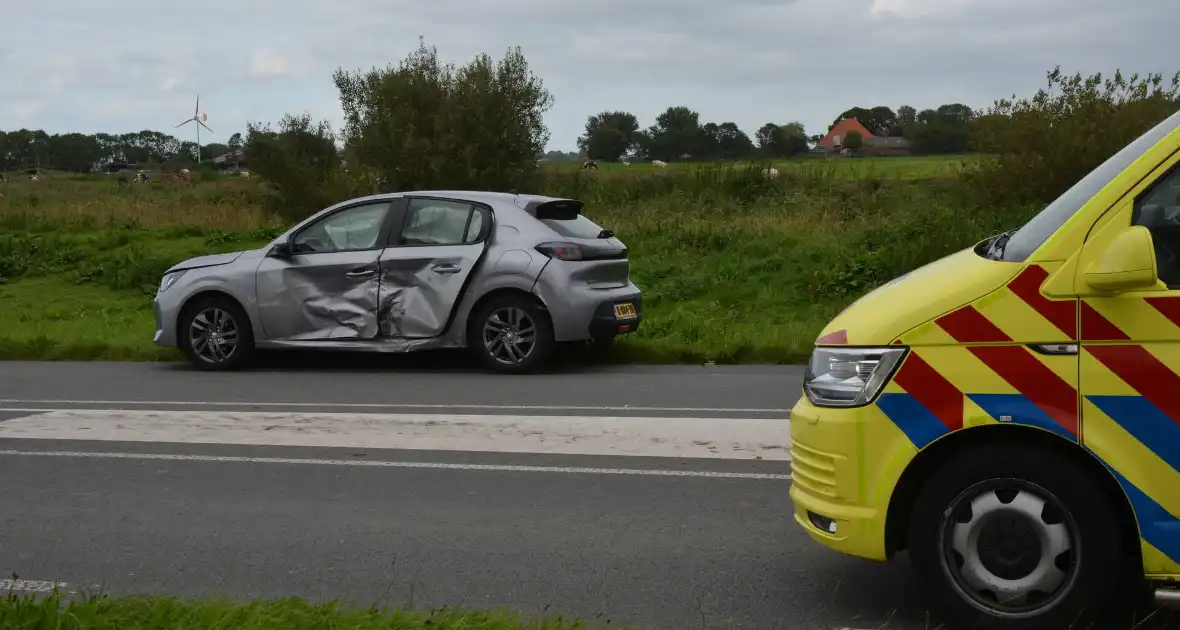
[(1145, 373), (968, 325), (1095, 327), (930, 388), (1168, 306), (837, 338), (1025, 373), (1061, 313)]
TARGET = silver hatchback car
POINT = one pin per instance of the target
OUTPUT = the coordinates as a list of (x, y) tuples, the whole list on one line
[(508, 276)]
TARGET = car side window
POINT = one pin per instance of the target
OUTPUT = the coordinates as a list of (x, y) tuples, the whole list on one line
[(442, 222), (354, 229), (1159, 212)]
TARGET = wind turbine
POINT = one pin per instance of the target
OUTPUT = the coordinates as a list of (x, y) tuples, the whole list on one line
[(199, 118)]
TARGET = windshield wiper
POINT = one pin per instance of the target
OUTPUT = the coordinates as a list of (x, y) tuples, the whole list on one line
[(995, 251)]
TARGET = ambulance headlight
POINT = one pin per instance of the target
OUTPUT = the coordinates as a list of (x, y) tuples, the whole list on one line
[(849, 377)]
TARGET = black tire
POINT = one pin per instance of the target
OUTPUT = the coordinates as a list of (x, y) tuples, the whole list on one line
[(242, 351), (1073, 499), (539, 354)]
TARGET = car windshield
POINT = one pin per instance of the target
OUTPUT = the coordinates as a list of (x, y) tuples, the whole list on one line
[(1019, 245)]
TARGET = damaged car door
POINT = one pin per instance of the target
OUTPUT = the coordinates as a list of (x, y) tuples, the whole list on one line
[(323, 283), (427, 264)]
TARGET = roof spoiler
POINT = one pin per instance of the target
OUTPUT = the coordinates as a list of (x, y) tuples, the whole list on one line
[(557, 209)]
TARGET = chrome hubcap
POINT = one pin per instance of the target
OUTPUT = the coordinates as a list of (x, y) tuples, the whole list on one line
[(1010, 548), (213, 335), (509, 335)]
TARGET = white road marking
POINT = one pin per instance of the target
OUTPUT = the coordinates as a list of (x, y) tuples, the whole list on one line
[(32, 586), (222, 403), (381, 464), (684, 437)]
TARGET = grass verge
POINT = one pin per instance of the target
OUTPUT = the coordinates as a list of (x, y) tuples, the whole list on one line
[(158, 613)]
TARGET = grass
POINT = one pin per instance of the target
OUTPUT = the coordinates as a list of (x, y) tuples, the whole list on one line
[(734, 267), (156, 613)]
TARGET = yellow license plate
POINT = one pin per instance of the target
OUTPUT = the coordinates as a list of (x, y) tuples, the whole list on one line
[(624, 311)]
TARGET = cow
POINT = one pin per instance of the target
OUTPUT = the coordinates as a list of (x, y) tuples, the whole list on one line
[(590, 165), (659, 164)]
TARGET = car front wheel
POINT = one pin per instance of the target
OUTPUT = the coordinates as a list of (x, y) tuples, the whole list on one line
[(512, 334), (215, 334), (1015, 537)]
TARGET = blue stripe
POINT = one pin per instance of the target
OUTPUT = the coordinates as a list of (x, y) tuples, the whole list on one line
[(1146, 423), (1156, 525), (913, 418), (1020, 410)]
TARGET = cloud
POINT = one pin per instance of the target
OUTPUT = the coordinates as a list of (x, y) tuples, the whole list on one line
[(268, 64), (747, 61)]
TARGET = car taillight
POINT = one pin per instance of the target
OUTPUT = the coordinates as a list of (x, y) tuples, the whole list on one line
[(561, 251), (575, 251)]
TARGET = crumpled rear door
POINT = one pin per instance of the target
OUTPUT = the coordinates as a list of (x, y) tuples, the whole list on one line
[(425, 268)]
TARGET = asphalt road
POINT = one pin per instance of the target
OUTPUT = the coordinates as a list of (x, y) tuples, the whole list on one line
[(667, 542)]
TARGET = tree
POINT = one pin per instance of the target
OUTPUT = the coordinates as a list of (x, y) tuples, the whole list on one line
[(299, 162), (425, 124), (1039, 146), (608, 135), (235, 144), (677, 132), (782, 140), (943, 130), (907, 117), (880, 120), (853, 141)]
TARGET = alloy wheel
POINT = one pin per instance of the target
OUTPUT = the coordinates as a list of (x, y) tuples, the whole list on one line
[(509, 335), (213, 335)]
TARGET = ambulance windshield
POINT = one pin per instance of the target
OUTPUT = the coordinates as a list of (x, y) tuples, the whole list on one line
[(1021, 244)]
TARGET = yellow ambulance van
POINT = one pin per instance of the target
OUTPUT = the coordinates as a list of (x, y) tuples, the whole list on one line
[(1010, 414)]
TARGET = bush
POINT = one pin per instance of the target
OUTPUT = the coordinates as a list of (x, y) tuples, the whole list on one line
[(425, 125), (1038, 147), (300, 165)]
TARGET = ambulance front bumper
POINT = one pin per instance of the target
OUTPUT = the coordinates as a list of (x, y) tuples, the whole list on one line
[(834, 502)]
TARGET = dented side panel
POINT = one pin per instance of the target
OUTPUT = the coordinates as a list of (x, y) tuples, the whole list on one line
[(420, 286), (319, 296)]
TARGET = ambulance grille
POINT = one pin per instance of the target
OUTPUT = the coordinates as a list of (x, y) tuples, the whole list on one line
[(814, 471)]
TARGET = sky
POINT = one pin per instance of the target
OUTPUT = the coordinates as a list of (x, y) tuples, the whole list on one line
[(80, 65)]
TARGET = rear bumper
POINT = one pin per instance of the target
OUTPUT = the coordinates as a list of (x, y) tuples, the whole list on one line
[(580, 312), (606, 325)]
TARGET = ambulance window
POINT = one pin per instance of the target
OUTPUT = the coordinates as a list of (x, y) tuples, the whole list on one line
[(1159, 211), (1027, 239)]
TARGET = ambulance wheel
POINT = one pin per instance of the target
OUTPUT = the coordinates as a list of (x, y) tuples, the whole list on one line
[(1015, 537)]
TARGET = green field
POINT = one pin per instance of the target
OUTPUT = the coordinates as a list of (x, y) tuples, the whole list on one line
[(734, 267), (847, 168)]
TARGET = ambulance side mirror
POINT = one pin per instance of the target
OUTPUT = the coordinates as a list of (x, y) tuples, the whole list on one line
[(1128, 263)]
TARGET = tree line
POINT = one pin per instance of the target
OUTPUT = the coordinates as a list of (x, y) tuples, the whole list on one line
[(80, 153), (678, 134)]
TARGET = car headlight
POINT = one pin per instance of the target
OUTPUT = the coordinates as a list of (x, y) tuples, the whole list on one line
[(170, 279), (849, 377)]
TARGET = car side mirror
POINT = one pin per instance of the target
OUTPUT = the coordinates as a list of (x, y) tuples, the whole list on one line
[(1128, 263), (281, 250)]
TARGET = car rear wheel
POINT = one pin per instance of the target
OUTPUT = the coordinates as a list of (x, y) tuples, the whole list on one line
[(512, 334), (1023, 538), (215, 334)]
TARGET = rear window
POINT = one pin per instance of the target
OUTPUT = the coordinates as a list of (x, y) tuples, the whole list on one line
[(578, 227)]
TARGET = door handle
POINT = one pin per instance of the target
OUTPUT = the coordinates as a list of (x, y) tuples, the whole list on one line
[(446, 268), (361, 272)]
